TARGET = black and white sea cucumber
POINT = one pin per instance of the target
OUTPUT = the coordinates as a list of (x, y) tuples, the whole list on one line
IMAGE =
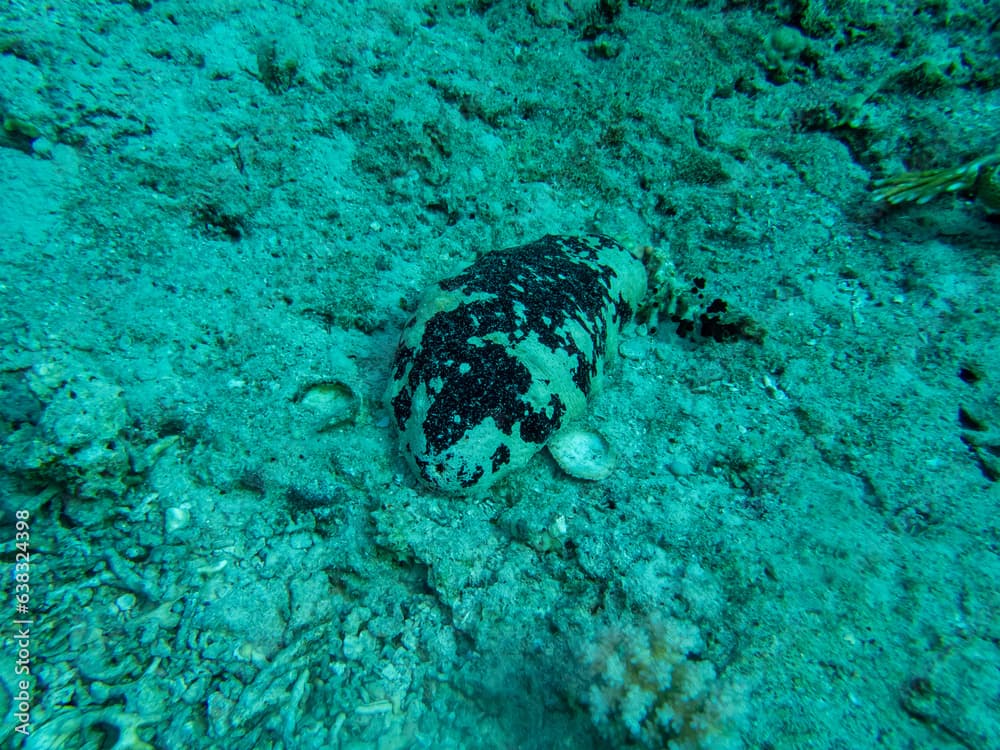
[(497, 358)]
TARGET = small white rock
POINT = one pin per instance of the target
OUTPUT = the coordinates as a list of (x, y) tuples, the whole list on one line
[(334, 402), (680, 467), (583, 454), (175, 519), (557, 529), (635, 348)]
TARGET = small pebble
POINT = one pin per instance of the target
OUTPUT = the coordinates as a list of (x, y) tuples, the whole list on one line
[(176, 519), (680, 467), (634, 348), (583, 454)]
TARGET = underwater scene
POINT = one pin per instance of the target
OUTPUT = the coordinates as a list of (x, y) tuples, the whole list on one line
[(500, 374)]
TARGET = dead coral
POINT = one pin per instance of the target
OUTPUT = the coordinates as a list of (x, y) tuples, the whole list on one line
[(979, 176), (653, 688), (73, 724)]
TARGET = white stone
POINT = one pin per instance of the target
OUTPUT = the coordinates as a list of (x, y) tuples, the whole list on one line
[(176, 519), (583, 454)]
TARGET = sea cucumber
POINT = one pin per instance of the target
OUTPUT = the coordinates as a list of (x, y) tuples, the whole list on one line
[(497, 358)]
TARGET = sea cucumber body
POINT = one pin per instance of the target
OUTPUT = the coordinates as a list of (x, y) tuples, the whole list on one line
[(498, 357)]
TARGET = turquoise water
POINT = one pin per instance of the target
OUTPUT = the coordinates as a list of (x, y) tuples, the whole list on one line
[(216, 219)]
